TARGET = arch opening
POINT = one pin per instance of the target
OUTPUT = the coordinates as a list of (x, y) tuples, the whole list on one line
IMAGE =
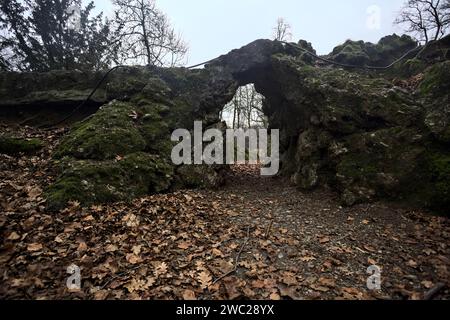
[(245, 110)]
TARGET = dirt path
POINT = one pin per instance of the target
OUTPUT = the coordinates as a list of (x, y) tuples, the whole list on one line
[(287, 244)]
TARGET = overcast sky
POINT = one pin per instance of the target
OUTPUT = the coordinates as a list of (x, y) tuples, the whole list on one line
[(214, 27)]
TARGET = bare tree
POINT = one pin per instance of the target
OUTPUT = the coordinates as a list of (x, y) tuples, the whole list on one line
[(282, 31), (245, 110), (426, 19), (146, 36)]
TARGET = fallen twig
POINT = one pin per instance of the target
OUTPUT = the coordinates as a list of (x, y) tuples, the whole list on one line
[(120, 275), (269, 228), (238, 257)]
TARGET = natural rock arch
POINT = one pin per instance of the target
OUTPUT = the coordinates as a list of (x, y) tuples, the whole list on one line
[(356, 132)]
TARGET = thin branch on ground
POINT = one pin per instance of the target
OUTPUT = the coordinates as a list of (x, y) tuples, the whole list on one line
[(238, 257)]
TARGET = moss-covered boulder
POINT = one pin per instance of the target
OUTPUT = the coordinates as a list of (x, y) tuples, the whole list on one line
[(111, 132), (383, 53), (13, 146), (123, 150), (90, 182), (435, 88)]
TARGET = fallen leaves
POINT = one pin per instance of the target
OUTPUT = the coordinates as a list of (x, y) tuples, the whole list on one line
[(140, 284), (131, 220), (173, 246), (33, 192)]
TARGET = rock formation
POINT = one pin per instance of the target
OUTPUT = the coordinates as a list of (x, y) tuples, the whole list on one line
[(366, 134)]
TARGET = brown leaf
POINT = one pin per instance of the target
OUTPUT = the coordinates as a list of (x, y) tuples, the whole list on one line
[(289, 279), (34, 247), (217, 252), (82, 246), (327, 282), (324, 239), (189, 295), (411, 263), (288, 292), (137, 250), (327, 266), (13, 236), (205, 279), (369, 248), (133, 259), (111, 248), (184, 245), (258, 284), (161, 269), (274, 296), (34, 192), (427, 284)]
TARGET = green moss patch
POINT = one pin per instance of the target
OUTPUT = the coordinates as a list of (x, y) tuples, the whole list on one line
[(91, 182), (14, 146), (109, 133), (436, 80)]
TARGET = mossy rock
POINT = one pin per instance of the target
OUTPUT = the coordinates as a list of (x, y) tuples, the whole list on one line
[(438, 164), (351, 52), (91, 182), (436, 81), (109, 133), (14, 146), (430, 185), (362, 53), (408, 68), (378, 164)]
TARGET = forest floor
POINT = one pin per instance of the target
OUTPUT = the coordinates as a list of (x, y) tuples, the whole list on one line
[(256, 238)]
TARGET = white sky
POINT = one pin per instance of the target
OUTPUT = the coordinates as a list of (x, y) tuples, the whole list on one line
[(214, 27)]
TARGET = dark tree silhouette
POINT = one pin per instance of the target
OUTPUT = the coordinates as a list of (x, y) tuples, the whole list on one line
[(36, 36), (426, 19)]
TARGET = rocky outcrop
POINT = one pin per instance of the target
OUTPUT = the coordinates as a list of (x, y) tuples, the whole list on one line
[(381, 54), (354, 131)]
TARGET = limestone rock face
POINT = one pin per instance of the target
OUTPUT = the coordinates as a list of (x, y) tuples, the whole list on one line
[(354, 131)]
